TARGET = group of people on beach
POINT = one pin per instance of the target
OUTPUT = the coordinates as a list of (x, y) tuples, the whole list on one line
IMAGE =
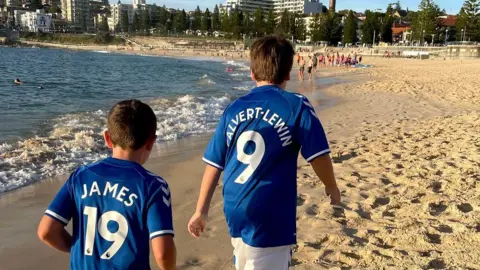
[(119, 209), (316, 60)]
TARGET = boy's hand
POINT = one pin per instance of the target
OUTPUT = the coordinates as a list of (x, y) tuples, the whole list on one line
[(197, 224), (334, 194)]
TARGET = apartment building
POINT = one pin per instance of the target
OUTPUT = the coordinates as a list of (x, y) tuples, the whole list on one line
[(299, 6), (76, 13), (116, 14)]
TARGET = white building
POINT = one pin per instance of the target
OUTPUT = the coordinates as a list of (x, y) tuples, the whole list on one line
[(77, 12), (32, 21), (14, 3), (138, 4), (115, 17), (299, 6)]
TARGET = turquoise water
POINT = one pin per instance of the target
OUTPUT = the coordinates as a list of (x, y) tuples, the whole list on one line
[(51, 130)]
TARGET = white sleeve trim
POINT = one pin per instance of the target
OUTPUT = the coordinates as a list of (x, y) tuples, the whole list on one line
[(318, 154), (212, 163), (57, 216), (157, 233)]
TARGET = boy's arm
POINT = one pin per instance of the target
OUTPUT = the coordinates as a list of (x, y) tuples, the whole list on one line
[(165, 252), (324, 169), (214, 157), (209, 183), (51, 229), (160, 224), (315, 149), (53, 233)]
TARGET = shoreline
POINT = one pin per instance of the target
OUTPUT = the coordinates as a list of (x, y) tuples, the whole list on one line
[(130, 50), (179, 162)]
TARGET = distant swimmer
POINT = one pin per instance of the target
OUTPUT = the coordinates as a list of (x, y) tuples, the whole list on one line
[(40, 87), (17, 81), (229, 69)]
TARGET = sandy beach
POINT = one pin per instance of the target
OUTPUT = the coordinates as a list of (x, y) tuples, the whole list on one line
[(406, 151)]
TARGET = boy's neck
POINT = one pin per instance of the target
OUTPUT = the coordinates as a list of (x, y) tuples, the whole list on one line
[(283, 85), (134, 156)]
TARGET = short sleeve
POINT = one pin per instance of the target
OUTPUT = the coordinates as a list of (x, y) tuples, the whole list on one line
[(310, 133), (159, 212), (62, 207), (217, 148)]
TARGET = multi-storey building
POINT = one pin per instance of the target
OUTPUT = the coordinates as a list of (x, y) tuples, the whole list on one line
[(77, 13), (115, 17), (299, 6)]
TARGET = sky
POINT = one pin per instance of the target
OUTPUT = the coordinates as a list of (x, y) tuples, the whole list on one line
[(451, 6)]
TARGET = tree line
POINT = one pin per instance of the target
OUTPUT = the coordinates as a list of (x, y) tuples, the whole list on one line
[(328, 26)]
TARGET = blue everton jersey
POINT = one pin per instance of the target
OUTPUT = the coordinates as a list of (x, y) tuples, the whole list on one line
[(256, 144), (117, 207)]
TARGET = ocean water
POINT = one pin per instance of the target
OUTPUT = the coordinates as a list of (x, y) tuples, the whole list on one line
[(51, 130)]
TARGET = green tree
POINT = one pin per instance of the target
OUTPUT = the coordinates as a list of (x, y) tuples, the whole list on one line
[(216, 19), (225, 23), (271, 23), (55, 9), (386, 29), (136, 23), (468, 19), (236, 24), (197, 19), (315, 26), (426, 21), (371, 27), (258, 22), (124, 23), (330, 28), (104, 26), (180, 22), (350, 29), (284, 24), (247, 24), (35, 4), (145, 23), (207, 21), (292, 29), (300, 28)]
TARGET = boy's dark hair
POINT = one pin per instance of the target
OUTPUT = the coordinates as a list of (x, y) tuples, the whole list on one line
[(271, 59), (131, 123)]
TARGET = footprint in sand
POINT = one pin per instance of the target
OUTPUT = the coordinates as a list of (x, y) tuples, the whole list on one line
[(436, 187), (435, 209), (312, 210), (352, 255), (437, 264), (433, 238), (301, 198), (444, 229), (380, 202), (465, 207)]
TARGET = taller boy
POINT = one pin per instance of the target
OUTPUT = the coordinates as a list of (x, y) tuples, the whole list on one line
[(256, 144)]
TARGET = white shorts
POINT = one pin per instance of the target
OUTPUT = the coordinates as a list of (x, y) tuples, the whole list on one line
[(249, 258)]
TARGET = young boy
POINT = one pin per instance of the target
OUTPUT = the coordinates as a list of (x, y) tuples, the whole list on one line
[(256, 144), (117, 206)]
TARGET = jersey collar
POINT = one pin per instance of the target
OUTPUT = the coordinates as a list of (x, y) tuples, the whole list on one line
[(120, 162), (266, 88)]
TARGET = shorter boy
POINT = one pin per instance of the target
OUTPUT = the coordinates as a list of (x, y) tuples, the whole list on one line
[(117, 206)]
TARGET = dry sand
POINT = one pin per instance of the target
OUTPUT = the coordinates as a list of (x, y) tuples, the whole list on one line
[(406, 150)]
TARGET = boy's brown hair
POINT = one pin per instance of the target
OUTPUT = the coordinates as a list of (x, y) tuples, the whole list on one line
[(131, 123), (271, 59)]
